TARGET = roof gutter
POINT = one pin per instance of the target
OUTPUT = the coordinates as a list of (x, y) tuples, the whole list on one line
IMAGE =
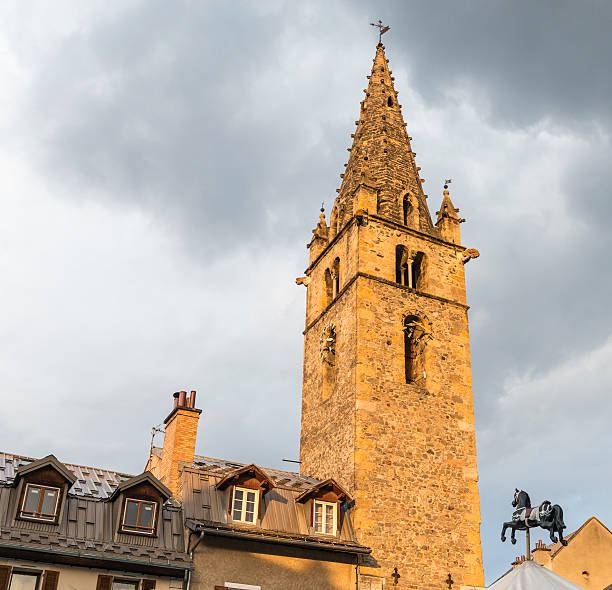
[(217, 532), (89, 560)]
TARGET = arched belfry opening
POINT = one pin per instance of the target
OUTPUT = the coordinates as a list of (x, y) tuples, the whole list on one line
[(406, 209), (336, 277), (389, 102), (416, 270), (409, 268), (402, 268), (329, 288)]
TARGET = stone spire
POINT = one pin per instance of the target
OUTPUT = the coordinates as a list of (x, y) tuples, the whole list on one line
[(381, 157), (448, 221)]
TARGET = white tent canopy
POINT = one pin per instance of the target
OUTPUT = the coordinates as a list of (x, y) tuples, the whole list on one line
[(532, 576)]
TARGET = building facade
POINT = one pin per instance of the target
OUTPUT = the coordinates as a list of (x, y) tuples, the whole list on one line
[(387, 404), (253, 528), (586, 560), (71, 527)]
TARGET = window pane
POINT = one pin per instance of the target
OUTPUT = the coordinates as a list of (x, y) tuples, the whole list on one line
[(23, 582), (329, 519), (48, 505), (146, 515), (131, 513), (318, 517), (238, 494), (31, 503), (124, 585)]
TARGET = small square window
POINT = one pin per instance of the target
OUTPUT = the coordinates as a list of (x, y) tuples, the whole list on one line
[(24, 581), (40, 502), (139, 516), (324, 517), (244, 505)]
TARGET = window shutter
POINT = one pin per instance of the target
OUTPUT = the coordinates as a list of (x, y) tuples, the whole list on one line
[(5, 576), (148, 585), (50, 580), (105, 583)]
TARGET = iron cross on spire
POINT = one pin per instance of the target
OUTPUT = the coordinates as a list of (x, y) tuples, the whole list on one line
[(382, 29)]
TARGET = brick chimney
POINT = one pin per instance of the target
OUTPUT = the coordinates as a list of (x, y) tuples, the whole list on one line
[(179, 441)]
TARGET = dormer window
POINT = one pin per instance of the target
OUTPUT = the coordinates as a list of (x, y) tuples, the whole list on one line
[(139, 516), (247, 485), (324, 517), (40, 502), (244, 505)]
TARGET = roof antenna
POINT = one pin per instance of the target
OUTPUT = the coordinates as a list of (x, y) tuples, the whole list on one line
[(382, 29), (154, 431)]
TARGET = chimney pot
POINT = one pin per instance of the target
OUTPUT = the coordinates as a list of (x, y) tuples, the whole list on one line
[(192, 399), (176, 398), (182, 399)]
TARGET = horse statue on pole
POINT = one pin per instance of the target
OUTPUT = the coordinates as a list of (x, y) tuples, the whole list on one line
[(547, 516)]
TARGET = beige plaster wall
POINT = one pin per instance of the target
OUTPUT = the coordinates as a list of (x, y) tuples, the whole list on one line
[(589, 551), (81, 578), (224, 560)]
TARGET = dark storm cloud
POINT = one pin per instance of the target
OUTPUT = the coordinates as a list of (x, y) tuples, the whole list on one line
[(532, 60), (195, 111)]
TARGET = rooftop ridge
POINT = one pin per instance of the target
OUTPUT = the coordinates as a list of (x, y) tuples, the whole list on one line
[(260, 466), (18, 456)]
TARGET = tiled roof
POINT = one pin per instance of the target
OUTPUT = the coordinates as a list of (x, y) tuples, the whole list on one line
[(92, 482), (85, 531), (282, 518), (288, 480)]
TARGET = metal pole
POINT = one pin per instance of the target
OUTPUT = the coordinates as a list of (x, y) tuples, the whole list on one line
[(527, 537)]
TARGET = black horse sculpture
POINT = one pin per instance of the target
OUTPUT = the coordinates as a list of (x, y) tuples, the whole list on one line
[(546, 515)]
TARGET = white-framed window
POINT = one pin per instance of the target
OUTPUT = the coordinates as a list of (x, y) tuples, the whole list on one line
[(234, 586), (22, 580), (139, 516), (245, 503), (40, 502), (324, 517)]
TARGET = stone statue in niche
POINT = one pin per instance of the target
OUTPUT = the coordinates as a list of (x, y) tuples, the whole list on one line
[(328, 345)]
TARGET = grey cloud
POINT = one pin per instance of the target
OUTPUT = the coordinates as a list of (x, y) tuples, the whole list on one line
[(532, 60)]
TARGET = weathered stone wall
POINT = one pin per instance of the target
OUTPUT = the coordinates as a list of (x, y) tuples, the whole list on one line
[(406, 452)]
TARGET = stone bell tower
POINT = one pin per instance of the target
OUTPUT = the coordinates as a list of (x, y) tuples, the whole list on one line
[(387, 404)]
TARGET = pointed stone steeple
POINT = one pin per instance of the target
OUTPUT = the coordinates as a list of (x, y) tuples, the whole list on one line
[(382, 160), (448, 221)]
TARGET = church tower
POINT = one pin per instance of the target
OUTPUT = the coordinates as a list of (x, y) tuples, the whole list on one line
[(387, 405)]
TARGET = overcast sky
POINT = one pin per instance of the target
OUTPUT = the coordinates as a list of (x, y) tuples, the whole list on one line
[(161, 168)]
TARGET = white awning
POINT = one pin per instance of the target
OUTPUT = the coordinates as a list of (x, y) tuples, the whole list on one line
[(532, 576)]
